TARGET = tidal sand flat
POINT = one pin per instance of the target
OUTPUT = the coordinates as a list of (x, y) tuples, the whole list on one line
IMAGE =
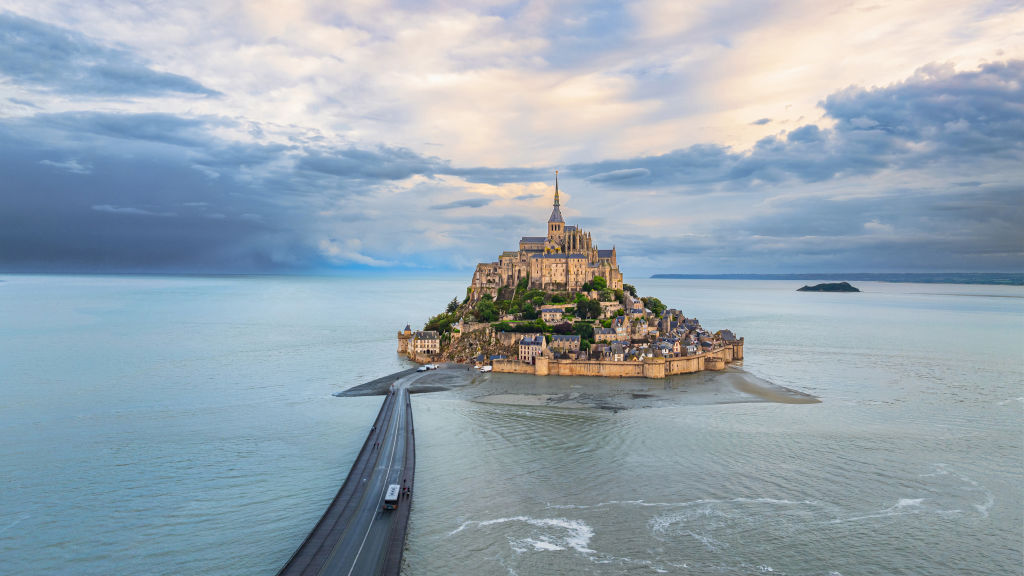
[(444, 378), (727, 387), (730, 386), (733, 385)]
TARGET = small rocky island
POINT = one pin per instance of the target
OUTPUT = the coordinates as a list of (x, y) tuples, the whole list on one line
[(558, 306), (829, 287)]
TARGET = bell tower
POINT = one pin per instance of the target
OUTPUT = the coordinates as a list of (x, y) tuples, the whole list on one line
[(556, 225)]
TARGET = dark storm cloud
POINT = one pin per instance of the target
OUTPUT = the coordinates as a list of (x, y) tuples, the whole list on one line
[(915, 230), (466, 203), (696, 164), (24, 103), (618, 175), (498, 176), (47, 57), (384, 163), (89, 193), (155, 127), (977, 112), (935, 116)]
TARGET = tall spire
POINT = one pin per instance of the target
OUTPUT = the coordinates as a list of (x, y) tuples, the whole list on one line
[(556, 213)]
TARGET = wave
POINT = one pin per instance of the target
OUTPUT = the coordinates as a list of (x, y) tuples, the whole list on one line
[(576, 534), (644, 503)]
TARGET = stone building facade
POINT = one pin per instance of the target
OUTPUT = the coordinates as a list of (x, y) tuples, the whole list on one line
[(425, 342), (563, 261), (565, 342), (531, 346)]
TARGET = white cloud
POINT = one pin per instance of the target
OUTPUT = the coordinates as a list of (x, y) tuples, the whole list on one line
[(72, 165), (347, 251), (131, 211)]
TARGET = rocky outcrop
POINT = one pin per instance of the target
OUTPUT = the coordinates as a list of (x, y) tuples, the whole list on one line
[(829, 287)]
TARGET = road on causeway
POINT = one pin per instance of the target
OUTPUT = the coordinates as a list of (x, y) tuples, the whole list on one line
[(356, 536)]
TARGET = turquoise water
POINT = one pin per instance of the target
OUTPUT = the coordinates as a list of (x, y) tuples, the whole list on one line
[(168, 425)]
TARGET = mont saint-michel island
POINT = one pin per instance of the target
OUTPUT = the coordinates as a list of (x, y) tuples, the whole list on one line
[(558, 306)]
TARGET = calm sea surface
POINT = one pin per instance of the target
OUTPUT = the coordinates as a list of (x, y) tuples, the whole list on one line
[(180, 425)]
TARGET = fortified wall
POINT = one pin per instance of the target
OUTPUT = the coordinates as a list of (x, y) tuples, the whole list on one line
[(647, 368)]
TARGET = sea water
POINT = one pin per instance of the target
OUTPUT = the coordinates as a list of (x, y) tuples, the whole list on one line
[(170, 425)]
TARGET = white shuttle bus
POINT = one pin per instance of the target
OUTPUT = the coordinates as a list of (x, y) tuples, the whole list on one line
[(391, 497)]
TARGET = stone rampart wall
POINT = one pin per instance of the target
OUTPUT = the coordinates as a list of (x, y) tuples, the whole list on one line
[(512, 366), (508, 338), (421, 358), (649, 368), (596, 368), (684, 365)]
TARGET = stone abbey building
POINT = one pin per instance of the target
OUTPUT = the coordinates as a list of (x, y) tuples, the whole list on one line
[(562, 261)]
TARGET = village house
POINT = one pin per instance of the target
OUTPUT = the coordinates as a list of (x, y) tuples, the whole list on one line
[(531, 346), (621, 326), (426, 342), (565, 342), (551, 314)]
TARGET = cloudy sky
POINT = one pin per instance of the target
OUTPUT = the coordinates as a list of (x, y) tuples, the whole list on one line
[(697, 137)]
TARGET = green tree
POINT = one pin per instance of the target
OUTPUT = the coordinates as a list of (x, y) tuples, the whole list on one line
[(562, 328), (588, 309), (606, 295), (452, 306), (528, 312), (599, 283), (630, 288), (532, 326), (534, 294), (557, 299), (485, 310), (654, 305), (442, 323), (584, 329)]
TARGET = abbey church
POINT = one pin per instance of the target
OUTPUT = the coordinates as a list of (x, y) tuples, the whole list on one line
[(562, 261)]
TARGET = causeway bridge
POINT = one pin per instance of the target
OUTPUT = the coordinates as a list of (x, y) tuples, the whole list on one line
[(356, 536)]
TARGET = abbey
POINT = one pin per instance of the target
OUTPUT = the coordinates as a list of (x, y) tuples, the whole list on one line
[(564, 260)]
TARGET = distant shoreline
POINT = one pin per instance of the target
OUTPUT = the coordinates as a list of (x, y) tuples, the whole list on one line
[(986, 278)]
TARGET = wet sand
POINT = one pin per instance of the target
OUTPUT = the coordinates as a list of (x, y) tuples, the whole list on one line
[(729, 386), (446, 377)]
